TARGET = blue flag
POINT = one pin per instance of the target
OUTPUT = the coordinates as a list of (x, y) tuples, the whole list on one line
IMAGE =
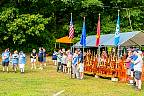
[(83, 36), (117, 32)]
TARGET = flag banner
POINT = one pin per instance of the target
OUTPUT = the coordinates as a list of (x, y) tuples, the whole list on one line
[(71, 29), (83, 36), (117, 32), (98, 33)]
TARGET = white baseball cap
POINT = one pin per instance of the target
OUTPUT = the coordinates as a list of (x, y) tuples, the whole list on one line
[(140, 52)]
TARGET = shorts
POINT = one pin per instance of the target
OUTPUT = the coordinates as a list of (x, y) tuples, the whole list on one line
[(5, 63), (132, 69), (15, 64), (21, 65), (44, 59), (54, 57), (128, 71), (33, 60), (40, 59), (81, 67), (69, 64), (64, 64), (132, 74), (137, 75)]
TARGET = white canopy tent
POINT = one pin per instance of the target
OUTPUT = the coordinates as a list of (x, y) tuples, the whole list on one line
[(126, 39)]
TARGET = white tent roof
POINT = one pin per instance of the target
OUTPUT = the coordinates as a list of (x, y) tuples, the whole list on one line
[(126, 39)]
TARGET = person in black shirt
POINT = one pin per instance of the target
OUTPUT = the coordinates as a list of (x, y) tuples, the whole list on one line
[(33, 59)]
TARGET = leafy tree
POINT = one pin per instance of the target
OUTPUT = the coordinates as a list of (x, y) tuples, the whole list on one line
[(34, 23)]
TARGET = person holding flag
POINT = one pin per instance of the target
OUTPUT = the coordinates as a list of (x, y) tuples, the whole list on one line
[(75, 65)]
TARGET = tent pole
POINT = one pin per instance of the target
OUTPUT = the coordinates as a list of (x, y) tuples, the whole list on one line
[(73, 49), (55, 45), (59, 45)]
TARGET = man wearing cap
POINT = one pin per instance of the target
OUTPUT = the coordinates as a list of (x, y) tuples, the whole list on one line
[(138, 63)]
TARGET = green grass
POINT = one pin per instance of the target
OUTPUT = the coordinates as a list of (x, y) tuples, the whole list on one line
[(48, 82)]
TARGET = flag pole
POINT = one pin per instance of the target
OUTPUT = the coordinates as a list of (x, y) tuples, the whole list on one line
[(72, 52), (83, 46), (99, 46), (83, 38), (118, 44)]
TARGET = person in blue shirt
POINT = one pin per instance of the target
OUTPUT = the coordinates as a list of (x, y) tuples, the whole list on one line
[(40, 58), (5, 60), (133, 57), (75, 62), (22, 61), (44, 56), (54, 57), (15, 59)]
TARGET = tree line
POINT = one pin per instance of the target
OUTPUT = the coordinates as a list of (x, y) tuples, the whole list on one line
[(27, 24)]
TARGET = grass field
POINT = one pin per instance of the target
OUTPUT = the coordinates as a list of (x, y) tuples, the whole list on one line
[(48, 82)]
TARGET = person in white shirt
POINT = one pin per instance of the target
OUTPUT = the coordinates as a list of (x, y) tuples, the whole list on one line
[(138, 64), (64, 62)]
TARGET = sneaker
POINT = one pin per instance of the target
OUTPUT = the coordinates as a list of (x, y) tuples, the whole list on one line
[(137, 89), (41, 68), (130, 84)]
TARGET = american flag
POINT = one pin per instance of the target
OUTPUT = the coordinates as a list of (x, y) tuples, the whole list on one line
[(71, 30)]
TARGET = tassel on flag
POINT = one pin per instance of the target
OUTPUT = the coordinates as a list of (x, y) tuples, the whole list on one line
[(117, 35), (98, 33), (71, 29)]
